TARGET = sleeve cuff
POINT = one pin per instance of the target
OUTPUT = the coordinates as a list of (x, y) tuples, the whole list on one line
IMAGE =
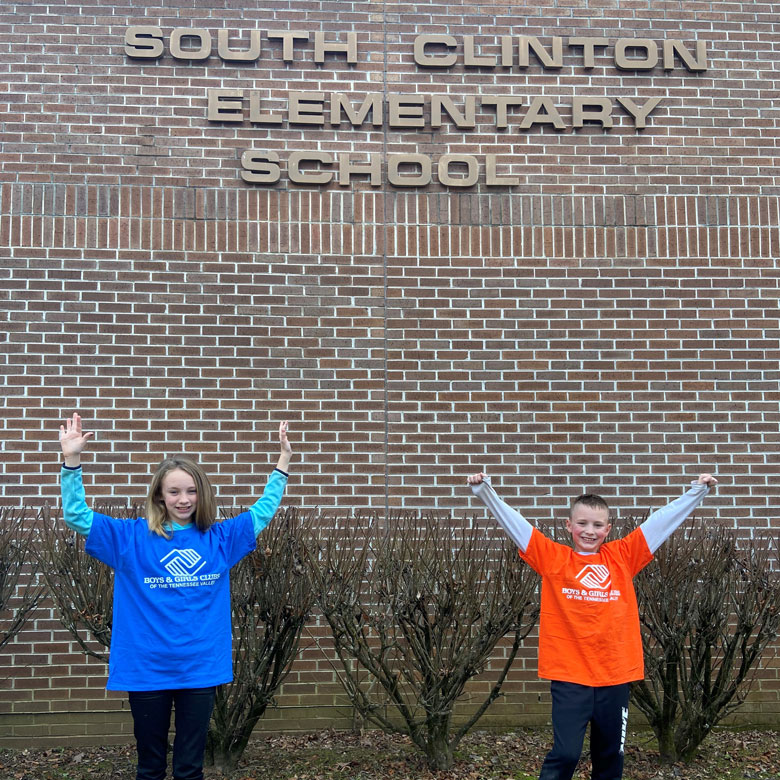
[(477, 489), (282, 472), (71, 468)]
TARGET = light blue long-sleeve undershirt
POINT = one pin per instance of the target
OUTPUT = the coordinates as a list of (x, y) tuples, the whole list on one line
[(78, 516)]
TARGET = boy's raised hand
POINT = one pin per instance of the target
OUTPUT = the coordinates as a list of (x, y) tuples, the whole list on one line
[(73, 440), (707, 479), (476, 479)]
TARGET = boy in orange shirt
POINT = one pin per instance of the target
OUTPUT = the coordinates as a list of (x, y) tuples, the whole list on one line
[(590, 646)]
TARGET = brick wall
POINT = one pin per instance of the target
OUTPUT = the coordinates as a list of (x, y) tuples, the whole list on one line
[(608, 322)]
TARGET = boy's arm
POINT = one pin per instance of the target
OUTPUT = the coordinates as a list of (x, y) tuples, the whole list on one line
[(664, 522), (515, 525)]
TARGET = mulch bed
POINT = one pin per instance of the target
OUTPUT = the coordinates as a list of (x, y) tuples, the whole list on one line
[(482, 755)]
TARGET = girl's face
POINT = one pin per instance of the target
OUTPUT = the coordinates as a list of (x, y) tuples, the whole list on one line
[(180, 496)]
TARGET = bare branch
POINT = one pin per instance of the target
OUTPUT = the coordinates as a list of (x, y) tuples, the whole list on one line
[(81, 587), (20, 592)]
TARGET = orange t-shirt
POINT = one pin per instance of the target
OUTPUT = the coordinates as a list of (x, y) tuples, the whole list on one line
[(589, 622)]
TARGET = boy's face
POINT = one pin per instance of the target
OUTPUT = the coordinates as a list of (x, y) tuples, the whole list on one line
[(588, 527)]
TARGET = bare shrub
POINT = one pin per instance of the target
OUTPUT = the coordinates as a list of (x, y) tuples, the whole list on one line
[(271, 595), (416, 612), (710, 607)]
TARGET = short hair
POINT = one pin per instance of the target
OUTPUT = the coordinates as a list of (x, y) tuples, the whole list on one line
[(591, 500), (206, 510)]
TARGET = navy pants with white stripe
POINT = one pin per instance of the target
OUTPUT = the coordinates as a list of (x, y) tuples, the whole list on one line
[(573, 707)]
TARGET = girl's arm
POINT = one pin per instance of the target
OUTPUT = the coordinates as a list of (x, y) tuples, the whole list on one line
[(664, 522), (75, 512), (285, 449), (265, 507), (515, 525), (77, 515)]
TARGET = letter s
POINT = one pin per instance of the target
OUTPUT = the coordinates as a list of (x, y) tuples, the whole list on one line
[(260, 167), (144, 42)]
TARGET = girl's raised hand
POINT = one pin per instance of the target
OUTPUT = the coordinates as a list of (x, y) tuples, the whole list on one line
[(72, 439), (284, 444), (476, 479), (283, 441)]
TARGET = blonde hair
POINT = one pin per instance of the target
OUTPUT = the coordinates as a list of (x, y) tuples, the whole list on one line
[(205, 511)]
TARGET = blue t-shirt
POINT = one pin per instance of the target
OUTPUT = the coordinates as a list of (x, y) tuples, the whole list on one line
[(172, 623)]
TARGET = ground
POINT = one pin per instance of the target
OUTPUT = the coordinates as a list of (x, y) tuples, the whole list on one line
[(483, 755)]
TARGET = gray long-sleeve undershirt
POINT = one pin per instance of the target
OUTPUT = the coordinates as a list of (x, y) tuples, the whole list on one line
[(658, 527)]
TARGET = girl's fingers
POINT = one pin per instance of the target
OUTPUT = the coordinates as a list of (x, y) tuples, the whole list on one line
[(71, 429)]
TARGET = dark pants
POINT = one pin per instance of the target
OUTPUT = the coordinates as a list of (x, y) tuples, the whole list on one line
[(151, 721), (573, 707)]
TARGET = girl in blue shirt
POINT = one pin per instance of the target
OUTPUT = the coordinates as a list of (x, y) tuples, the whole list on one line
[(171, 633)]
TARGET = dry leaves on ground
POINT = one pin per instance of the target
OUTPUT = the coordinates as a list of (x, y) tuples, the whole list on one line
[(483, 755)]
